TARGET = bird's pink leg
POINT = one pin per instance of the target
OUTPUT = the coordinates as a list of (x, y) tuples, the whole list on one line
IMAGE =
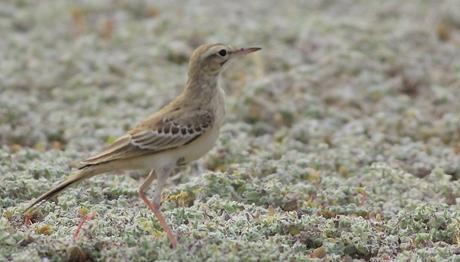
[(155, 206), (156, 210)]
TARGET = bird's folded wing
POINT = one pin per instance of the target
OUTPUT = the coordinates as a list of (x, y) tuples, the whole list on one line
[(173, 130)]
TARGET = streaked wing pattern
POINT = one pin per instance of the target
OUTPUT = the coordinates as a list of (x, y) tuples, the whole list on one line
[(172, 133), (166, 133)]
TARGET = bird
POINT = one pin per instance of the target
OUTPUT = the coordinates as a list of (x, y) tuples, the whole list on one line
[(182, 131)]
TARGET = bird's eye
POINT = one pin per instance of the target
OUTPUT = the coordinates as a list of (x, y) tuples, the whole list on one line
[(223, 52)]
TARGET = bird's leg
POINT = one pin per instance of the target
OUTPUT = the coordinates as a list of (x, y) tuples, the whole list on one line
[(162, 176)]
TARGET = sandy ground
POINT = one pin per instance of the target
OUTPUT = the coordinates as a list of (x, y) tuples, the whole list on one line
[(342, 140)]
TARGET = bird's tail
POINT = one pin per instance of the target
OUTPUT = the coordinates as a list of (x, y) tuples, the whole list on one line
[(82, 174)]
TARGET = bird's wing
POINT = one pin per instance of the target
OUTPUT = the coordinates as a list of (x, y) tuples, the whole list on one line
[(171, 130)]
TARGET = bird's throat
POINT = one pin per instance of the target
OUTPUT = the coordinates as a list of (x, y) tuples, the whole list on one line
[(202, 87)]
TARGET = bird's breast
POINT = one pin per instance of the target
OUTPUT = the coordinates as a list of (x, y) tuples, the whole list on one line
[(200, 146), (219, 105), (205, 142)]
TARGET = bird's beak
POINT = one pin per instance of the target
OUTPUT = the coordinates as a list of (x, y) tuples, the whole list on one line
[(245, 51)]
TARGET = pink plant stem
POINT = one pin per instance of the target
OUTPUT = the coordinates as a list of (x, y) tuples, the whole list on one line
[(83, 221)]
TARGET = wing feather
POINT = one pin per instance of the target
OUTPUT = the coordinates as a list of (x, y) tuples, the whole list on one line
[(173, 130)]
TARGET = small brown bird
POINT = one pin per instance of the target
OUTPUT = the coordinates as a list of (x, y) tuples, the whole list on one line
[(182, 131)]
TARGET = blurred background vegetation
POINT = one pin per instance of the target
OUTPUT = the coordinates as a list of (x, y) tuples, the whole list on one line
[(342, 142)]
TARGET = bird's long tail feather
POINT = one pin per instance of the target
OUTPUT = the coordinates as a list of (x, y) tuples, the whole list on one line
[(79, 176)]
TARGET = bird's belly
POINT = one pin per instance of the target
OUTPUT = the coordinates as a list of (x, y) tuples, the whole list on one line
[(199, 147), (182, 155)]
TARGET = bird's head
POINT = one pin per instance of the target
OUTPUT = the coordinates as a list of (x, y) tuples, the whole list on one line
[(211, 59)]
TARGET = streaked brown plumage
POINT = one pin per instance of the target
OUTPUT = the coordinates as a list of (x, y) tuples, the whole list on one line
[(182, 131)]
